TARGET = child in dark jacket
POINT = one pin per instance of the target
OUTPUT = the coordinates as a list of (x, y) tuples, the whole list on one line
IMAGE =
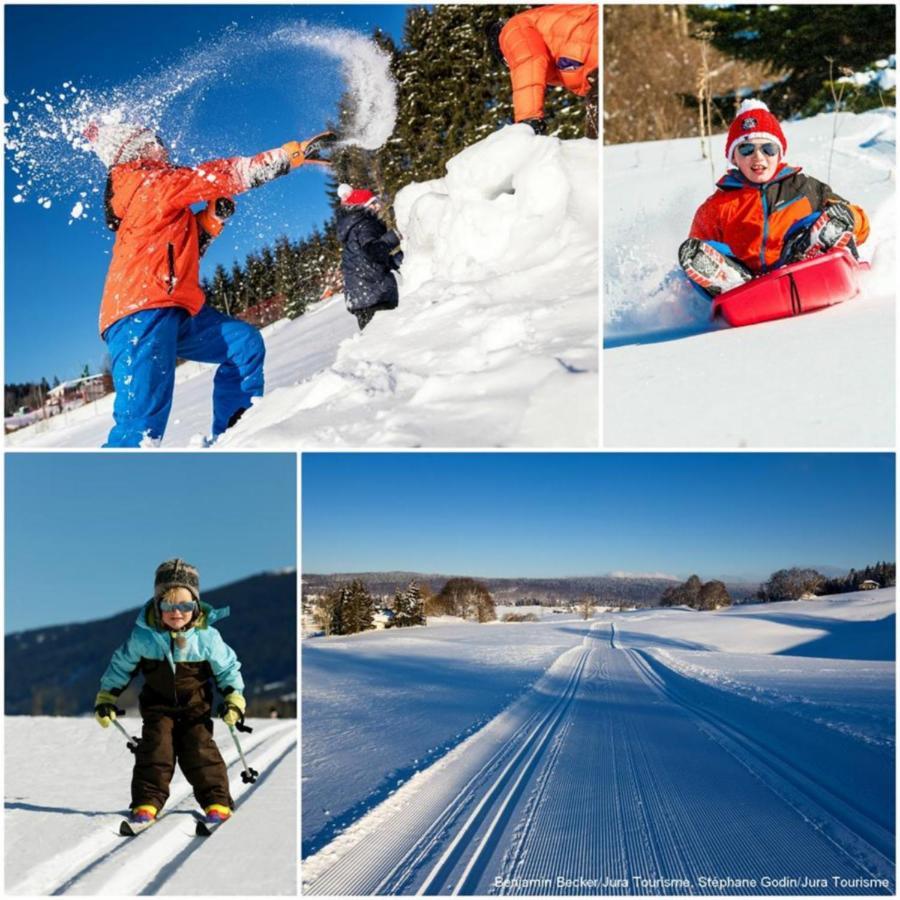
[(765, 213), (179, 653), (367, 258)]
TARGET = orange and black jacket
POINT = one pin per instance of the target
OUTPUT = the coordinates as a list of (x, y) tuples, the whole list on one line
[(156, 255), (753, 220), (555, 45)]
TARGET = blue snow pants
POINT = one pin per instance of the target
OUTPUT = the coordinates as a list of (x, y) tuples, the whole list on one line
[(144, 347)]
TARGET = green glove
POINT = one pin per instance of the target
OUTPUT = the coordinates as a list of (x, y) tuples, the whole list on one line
[(105, 708), (235, 706)]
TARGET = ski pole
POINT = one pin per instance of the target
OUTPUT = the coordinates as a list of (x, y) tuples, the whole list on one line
[(130, 742), (248, 776)]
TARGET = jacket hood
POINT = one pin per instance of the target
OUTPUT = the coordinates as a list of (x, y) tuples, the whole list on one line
[(347, 218), (733, 180)]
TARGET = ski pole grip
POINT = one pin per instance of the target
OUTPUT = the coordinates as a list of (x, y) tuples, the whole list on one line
[(242, 727)]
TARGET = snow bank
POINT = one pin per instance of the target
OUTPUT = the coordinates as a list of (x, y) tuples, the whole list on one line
[(826, 379), (494, 342)]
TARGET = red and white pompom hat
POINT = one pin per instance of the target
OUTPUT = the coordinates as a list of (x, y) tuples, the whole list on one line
[(358, 197), (119, 142), (753, 120)]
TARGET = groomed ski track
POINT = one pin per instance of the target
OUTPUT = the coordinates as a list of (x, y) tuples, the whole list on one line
[(105, 863), (615, 775)]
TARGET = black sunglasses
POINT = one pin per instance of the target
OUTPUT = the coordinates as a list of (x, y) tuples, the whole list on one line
[(749, 149)]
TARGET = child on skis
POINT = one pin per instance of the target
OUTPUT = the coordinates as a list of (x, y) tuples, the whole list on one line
[(765, 213), (367, 256), (175, 647), (153, 308)]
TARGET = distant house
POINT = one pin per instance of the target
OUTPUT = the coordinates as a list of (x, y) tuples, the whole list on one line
[(264, 313), (869, 585), (71, 394)]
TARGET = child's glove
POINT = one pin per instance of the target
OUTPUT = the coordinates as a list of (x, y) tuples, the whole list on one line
[(235, 706), (212, 217), (105, 708)]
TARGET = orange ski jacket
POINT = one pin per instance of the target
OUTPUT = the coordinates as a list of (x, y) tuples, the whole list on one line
[(156, 255), (753, 220), (554, 45)]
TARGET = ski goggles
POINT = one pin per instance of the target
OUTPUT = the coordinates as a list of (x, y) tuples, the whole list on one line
[(748, 149), (186, 607)]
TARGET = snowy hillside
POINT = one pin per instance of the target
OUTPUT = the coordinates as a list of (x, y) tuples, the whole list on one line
[(494, 342), (67, 787), (748, 751), (672, 379)]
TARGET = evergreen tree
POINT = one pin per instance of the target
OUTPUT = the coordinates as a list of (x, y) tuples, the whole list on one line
[(358, 608), (810, 47), (408, 607)]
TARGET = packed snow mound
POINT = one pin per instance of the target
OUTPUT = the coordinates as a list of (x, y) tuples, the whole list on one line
[(495, 339), (670, 382)]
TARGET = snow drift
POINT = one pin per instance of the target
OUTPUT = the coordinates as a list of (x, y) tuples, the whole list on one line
[(494, 342), (825, 379)]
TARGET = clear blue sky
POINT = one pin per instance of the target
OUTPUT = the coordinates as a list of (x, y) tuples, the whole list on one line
[(85, 531), (55, 270), (525, 514)]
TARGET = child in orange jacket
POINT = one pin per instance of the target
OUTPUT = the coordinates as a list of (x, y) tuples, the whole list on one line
[(550, 45), (153, 309), (764, 213)]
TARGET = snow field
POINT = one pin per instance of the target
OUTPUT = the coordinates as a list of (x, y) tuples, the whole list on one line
[(673, 378), (463, 784), (620, 773), (167, 858)]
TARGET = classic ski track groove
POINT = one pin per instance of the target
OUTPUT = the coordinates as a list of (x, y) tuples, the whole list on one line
[(789, 784), (155, 863), (401, 862), (503, 802), (61, 871)]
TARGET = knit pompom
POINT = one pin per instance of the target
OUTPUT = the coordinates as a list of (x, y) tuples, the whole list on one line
[(344, 191), (750, 103)]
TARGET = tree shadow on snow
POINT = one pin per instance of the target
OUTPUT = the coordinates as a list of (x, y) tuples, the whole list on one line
[(844, 640)]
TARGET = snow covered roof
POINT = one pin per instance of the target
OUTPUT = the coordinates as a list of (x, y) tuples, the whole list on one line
[(61, 387)]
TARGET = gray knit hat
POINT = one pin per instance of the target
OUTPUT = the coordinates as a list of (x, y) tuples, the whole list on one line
[(176, 573)]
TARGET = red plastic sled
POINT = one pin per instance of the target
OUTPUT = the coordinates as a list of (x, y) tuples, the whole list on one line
[(798, 288)]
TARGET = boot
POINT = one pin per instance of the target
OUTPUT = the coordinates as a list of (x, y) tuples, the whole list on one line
[(710, 269)]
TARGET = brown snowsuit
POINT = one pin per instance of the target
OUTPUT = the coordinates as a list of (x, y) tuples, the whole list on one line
[(176, 704)]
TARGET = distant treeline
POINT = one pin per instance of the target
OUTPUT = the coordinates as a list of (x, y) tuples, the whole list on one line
[(349, 607), (795, 583)]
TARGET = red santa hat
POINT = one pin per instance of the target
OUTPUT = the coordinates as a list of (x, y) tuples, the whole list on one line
[(358, 197), (753, 120), (120, 142)]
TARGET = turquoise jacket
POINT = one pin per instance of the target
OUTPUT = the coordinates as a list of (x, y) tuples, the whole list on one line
[(150, 644)]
